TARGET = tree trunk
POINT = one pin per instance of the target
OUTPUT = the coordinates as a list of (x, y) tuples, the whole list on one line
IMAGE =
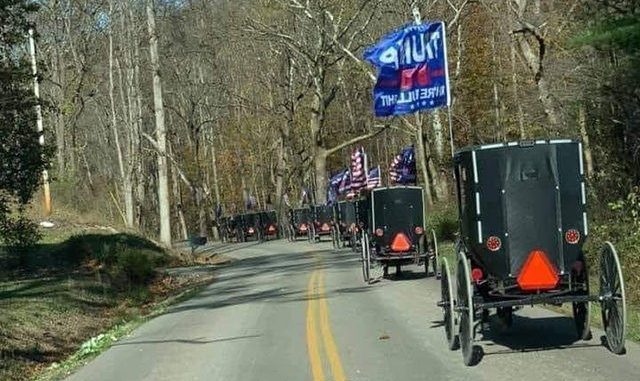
[(177, 196), (161, 135), (214, 168), (586, 144), (439, 176), (516, 95), (125, 181), (534, 63), (422, 163), (320, 171)]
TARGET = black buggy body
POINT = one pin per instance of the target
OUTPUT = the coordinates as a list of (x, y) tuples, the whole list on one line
[(523, 222), (233, 227), (223, 229), (519, 203), (299, 223), (344, 223), (269, 225), (251, 227), (394, 232), (322, 218)]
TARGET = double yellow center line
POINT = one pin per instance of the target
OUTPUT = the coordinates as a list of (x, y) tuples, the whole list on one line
[(318, 314)]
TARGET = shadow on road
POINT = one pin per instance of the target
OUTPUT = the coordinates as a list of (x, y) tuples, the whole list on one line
[(200, 340), (532, 335), (248, 280)]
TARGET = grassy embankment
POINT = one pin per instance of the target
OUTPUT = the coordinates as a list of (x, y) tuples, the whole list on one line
[(77, 292)]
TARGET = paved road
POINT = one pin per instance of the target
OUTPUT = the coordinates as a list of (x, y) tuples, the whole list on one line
[(300, 312)]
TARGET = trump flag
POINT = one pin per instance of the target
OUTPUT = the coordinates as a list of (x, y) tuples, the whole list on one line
[(412, 70)]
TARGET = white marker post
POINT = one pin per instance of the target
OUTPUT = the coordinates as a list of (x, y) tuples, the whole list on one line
[(40, 126)]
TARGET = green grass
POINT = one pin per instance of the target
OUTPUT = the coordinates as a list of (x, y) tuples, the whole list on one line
[(100, 343), (73, 286)]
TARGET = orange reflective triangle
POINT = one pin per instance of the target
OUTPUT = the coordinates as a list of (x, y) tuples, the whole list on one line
[(538, 273), (401, 243)]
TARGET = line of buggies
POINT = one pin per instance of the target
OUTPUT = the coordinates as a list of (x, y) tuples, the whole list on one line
[(523, 224), (387, 227), (257, 226)]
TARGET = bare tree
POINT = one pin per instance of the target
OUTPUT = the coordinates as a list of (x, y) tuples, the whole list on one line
[(161, 133)]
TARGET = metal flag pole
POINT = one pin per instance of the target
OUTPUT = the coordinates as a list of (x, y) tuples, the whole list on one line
[(39, 124), (418, 20)]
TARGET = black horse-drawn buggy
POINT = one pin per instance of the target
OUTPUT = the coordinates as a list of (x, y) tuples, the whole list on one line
[(322, 219), (345, 223), (523, 224), (393, 232), (250, 227), (231, 228), (269, 225), (224, 229), (299, 223)]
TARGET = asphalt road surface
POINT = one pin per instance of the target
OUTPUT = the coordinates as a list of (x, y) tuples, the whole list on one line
[(287, 311)]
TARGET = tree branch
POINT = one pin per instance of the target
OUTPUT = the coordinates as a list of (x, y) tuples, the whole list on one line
[(355, 140)]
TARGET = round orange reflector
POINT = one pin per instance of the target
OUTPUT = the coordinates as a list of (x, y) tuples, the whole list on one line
[(494, 243), (379, 232), (572, 236), (419, 230)]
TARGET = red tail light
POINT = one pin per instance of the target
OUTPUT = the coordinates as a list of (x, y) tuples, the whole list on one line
[(303, 227), (400, 243), (477, 274), (418, 230), (271, 228), (379, 232), (538, 273), (572, 236), (325, 227), (494, 243), (250, 230)]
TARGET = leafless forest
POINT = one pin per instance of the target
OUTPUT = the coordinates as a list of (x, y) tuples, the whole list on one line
[(161, 110)]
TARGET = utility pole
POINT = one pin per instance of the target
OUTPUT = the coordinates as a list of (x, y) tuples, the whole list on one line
[(40, 126)]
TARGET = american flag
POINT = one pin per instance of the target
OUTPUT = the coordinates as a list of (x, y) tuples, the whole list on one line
[(358, 174), (345, 183), (403, 167), (373, 178), (333, 189), (393, 170)]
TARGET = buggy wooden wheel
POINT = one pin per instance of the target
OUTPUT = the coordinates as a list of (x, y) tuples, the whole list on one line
[(465, 308), (612, 299), (435, 255), (582, 310), (333, 237), (447, 304), (366, 259)]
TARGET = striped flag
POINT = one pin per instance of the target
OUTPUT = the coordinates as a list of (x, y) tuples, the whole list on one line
[(403, 167), (358, 172), (345, 183), (373, 178), (393, 169), (333, 188)]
